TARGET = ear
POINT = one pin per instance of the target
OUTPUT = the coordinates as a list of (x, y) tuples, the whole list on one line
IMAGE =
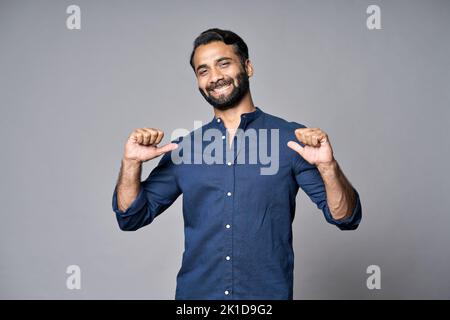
[(249, 68)]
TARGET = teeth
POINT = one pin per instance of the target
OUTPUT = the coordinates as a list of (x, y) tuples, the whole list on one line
[(221, 88)]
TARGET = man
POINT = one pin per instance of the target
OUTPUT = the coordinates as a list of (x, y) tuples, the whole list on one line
[(237, 220)]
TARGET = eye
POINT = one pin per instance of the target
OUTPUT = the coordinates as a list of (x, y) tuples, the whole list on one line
[(225, 64), (202, 72)]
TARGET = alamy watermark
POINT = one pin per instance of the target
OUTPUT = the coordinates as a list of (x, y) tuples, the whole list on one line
[(373, 21), (73, 21), (73, 281), (211, 146), (374, 280)]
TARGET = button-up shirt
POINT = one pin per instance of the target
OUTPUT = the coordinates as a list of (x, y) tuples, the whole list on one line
[(237, 218)]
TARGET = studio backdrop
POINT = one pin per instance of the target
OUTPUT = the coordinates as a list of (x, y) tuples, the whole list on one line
[(77, 77)]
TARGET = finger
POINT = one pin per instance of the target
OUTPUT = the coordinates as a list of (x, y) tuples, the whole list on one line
[(299, 134), (302, 133), (323, 138), (296, 147), (159, 137), (314, 140), (166, 148), (133, 137), (139, 137), (310, 136), (308, 139), (153, 135), (145, 136)]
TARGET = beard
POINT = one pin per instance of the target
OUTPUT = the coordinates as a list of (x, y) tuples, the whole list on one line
[(225, 102)]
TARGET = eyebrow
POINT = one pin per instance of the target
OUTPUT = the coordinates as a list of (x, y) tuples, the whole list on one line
[(218, 60)]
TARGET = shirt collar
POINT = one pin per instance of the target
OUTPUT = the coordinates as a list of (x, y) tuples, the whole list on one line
[(246, 118)]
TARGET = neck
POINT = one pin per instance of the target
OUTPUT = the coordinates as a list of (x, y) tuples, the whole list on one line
[(232, 117)]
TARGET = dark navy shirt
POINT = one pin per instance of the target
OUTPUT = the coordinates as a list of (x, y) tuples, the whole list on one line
[(237, 221)]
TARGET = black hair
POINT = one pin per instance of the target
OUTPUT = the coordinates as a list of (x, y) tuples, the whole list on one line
[(226, 36)]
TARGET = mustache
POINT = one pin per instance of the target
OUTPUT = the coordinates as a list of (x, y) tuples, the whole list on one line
[(219, 84)]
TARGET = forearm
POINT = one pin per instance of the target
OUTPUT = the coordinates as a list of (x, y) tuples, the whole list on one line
[(129, 183), (341, 197)]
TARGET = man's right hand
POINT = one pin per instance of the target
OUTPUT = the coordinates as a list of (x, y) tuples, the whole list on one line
[(142, 145)]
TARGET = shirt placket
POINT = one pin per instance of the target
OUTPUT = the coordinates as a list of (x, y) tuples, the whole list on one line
[(228, 190), (230, 208)]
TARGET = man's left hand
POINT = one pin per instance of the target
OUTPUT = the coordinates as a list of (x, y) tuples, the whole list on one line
[(317, 150)]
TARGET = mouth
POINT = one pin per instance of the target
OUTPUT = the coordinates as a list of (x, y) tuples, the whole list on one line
[(221, 90)]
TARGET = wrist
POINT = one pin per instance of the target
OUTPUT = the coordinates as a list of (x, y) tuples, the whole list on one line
[(326, 167), (131, 163)]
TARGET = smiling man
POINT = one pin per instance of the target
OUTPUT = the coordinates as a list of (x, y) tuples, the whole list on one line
[(237, 221)]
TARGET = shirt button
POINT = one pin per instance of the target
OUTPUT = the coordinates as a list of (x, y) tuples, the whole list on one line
[(229, 194), (218, 120), (227, 292), (228, 226), (227, 257), (223, 137), (229, 163)]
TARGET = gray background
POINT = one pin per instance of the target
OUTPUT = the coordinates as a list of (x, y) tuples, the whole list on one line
[(69, 99)]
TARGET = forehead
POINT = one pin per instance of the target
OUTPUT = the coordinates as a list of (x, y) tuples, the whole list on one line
[(209, 53)]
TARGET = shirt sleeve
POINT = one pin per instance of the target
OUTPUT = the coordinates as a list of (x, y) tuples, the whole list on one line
[(156, 194), (311, 182)]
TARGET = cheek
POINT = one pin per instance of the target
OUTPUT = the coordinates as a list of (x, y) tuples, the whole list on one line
[(204, 90), (201, 84), (234, 77)]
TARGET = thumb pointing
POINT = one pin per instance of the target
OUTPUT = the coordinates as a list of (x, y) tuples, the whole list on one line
[(296, 147), (166, 148)]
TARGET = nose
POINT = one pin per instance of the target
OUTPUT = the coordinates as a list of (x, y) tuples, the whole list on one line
[(215, 75)]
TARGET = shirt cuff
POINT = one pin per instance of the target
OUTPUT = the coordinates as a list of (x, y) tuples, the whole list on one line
[(135, 206), (352, 222)]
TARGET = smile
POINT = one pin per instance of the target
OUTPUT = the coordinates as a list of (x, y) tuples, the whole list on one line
[(221, 89)]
